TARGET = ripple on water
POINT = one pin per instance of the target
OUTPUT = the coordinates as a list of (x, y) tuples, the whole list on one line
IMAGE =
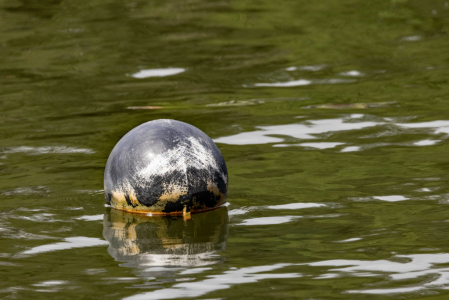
[(412, 38), (26, 190), (305, 130), (426, 142), (69, 243), (289, 206), (418, 266), (311, 129), (295, 206), (353, 73), (441, 126), (194, 271), (313, 68), (351, 149), (269, 220), (392, 198), (349, 240), (91, 218), (302, 82), (157, 72), (50, 283), (45, 150), (322, 145), (42, 217), (217, 282), (91, 192)]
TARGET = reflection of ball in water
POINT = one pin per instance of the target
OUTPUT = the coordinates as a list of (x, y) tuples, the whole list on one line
[(165, 167), (140, 241)]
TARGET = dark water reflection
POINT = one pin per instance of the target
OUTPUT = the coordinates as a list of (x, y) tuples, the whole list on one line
[(142, 241)]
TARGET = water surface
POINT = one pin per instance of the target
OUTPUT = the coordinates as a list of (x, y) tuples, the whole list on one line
[(332, 117)]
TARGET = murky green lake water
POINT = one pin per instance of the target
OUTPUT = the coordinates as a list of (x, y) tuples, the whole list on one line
[(333, 118)]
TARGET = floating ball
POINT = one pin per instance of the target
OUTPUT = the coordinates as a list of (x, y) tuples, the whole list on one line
[(166, 167)]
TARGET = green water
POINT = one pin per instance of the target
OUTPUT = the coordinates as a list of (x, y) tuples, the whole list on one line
[(332, 116)]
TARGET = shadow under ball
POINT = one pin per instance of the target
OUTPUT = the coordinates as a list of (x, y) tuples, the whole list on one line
[(166, 167)]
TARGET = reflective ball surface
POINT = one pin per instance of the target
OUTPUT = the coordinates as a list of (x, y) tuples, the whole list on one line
[(165, 167)]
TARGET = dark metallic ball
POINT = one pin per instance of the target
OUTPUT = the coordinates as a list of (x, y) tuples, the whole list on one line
[(165, 167)]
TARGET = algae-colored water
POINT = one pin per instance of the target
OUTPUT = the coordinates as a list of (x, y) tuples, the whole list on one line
[(333, 118)]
